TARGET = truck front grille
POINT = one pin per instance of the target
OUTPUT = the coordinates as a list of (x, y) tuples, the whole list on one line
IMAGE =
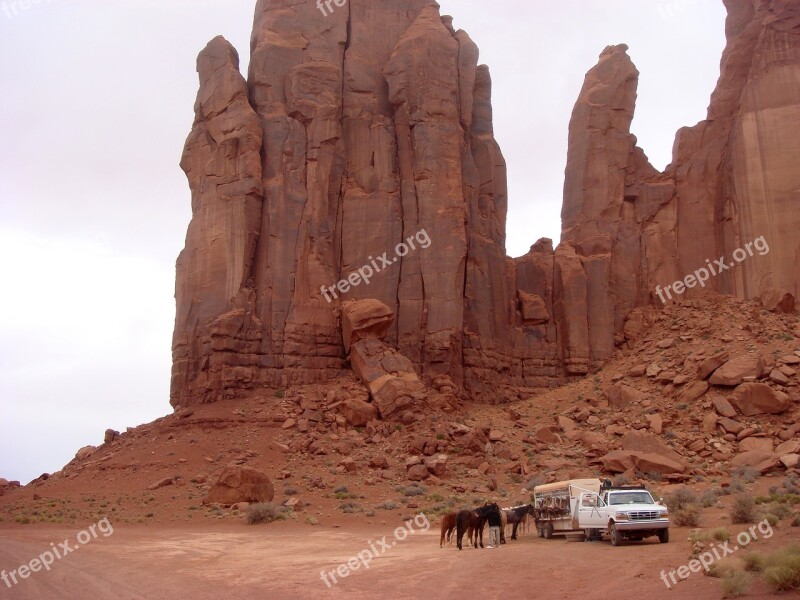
[(644, 515)]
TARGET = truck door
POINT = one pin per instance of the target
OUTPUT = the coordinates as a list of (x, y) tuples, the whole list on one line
[(592, 512)]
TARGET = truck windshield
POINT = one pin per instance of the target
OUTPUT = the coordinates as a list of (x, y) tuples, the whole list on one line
[(630, 498)]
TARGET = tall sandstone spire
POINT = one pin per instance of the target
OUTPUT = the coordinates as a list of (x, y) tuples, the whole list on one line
[(360, 128)]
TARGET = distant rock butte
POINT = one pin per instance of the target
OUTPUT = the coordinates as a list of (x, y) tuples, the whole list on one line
[(348, 138)]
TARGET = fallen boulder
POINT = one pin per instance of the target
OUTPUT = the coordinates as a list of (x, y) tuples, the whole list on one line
[(620, 395), (620, 461), (357, 413), (734, 371), (240, 484), (758, 399), (757, 459), (777, 300)]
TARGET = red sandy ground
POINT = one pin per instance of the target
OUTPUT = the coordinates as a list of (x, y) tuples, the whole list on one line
[(284, 560)]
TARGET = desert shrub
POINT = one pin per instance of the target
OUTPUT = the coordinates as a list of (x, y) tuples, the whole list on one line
[(342, 489), (265, 512), (753, 562), (312, 520), (784, 577), (720, 534), (796, 521), (280, 393), (771, 519), (779, 510), (718, 570), (736, 486), (389, 505), (290, 491), (414, 490), (699, 536), (351, 507), (782, 569), (709, 497), (680, 499), (735, 583), (746, 474), (685, 517), (743, 509)]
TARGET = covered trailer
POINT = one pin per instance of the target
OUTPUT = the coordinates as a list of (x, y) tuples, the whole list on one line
[(556, 505)]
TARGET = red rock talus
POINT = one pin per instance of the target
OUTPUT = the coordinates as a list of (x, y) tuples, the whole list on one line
[(358, 161)]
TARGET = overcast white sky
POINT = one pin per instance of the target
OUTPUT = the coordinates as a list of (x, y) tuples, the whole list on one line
[(95, 106)]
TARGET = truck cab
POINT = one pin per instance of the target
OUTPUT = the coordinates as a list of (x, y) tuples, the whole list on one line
[(623, 513)]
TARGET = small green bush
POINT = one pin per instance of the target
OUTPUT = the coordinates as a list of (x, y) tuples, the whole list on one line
[(782, 569), (753, 562), (735, 583), (720, 534), (771, 519), (718, 570)]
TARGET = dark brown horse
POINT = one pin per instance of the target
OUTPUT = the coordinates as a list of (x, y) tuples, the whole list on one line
[(448, 525), (516, 516), (471, 522)]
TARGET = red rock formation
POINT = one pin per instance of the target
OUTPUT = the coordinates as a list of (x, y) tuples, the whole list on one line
[(362, 130)]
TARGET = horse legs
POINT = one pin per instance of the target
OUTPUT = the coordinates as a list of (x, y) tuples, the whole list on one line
[(459, 533)]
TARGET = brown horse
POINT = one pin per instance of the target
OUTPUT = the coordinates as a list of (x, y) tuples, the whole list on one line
[(471, 522), (448, 526)]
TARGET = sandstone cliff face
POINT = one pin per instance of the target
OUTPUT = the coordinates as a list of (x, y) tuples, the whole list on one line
[(732, 181), (362, 130)]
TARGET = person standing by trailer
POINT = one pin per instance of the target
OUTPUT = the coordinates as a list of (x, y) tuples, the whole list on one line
[(494, 520)]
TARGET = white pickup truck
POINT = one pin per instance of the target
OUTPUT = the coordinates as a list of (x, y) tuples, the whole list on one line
[(590, 507)]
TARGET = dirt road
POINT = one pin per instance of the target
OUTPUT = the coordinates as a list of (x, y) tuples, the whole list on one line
[(285, 560)]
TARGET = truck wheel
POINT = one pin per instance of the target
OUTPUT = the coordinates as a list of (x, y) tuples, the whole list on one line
[(663, 536), (540, 530), (547, 531), (615, 535)]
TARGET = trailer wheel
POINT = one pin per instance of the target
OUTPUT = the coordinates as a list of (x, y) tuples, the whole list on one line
[(547, 531), (615, 535), (540, 530), (663, 536)]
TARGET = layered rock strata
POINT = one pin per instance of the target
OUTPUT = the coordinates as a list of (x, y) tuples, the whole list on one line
[(358, 161)]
